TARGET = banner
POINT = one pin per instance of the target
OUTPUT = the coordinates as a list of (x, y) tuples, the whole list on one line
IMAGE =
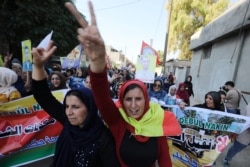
[(27, 132), (146, 49), (205, 134)]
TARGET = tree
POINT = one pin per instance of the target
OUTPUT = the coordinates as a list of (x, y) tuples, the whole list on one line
[(29, 19), (187, 16)]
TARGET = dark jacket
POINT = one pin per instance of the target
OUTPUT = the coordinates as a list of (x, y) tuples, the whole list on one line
[(105, 155)]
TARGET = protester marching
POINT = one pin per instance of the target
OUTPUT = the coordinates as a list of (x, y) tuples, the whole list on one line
[(31, 129)]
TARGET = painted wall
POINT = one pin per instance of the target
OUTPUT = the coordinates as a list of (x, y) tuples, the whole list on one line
[(230, 54)]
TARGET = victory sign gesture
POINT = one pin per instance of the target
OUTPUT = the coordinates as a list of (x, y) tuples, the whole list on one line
[(90, 38)]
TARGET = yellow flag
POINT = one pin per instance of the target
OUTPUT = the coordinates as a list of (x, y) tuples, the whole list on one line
[(1, 60)]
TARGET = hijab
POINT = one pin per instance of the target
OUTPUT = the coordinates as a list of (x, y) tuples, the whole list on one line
[(160, 94), (75, 144), (7, 78), (170, 88), (143, 88), (154, 121), (182, 94)]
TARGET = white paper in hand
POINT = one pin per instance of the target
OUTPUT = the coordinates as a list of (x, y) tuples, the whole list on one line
[(45, 42)]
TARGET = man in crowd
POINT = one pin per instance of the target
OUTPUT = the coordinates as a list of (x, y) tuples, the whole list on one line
[(232, 99)]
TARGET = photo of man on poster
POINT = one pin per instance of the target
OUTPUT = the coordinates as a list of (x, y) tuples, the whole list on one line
[(145, 64), (26, 51)]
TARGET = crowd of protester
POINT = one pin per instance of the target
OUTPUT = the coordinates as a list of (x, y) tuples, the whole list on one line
[(16, 83), (164, 90)]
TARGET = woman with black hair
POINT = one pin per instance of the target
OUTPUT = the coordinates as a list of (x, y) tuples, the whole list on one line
[(212, 101)]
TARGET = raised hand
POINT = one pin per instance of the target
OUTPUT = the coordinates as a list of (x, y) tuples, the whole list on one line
[(90, 38), (41, 56)]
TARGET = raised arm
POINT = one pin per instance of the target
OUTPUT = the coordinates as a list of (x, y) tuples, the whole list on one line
[(40, 57), (90, 38), (93, 44), (41, 90)]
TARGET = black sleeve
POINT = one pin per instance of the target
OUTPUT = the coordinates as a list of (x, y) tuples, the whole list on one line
[(107, 150), (47, 101), (200, 105), (191, 89)]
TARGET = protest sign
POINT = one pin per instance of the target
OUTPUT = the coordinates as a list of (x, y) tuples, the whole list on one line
[(205, 134), (27, 132)]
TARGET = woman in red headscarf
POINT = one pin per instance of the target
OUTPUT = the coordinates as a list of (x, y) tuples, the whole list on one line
[(183, 93), (138, 126)]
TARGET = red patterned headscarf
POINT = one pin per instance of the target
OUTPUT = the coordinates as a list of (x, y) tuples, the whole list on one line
[(165, 122), (141, 85)]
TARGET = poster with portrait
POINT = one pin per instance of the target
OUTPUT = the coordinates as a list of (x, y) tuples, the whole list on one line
[(26, 55), (145, 68), (76, 58)]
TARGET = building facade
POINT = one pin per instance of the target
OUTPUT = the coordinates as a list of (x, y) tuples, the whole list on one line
[(221, 53)]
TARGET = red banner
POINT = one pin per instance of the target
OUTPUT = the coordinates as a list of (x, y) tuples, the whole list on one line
[(25, 125)]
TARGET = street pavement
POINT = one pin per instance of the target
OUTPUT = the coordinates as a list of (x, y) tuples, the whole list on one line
[(242, 159)]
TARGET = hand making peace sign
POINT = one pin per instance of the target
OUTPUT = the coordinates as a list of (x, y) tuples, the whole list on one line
[(90, 38)]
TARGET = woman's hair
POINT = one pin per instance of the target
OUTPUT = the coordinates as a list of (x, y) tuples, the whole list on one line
[(130, 87), (84, 71), (62, 79), (216, 98)]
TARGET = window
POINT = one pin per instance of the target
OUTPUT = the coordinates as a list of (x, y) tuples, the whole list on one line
[(207, 52)]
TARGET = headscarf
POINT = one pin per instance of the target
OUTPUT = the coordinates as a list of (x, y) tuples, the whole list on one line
[(159, 95), (81, 142), (169, 90), (7, 78), (182, 94), (143, 88), (189, 85), (154, 121), (186, 80)]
